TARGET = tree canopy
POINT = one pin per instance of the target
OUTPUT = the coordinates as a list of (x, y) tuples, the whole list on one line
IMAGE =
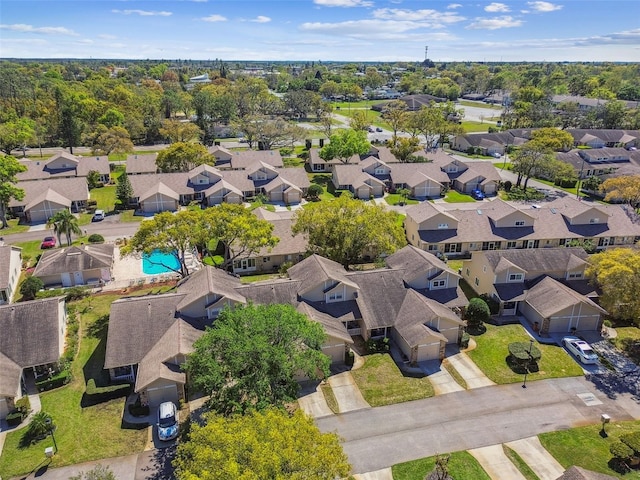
[(252, 355), (261, 445), (344, 144), (182, 157), (9, 169), (65, 223), (617, 273), (625, 188), (345, 230)]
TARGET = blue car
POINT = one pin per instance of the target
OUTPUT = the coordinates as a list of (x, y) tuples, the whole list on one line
[(478, 194), (167, 421)]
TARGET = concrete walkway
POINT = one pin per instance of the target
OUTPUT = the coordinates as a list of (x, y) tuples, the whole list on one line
[(34, 401), (312, 401), (347, 392), (469, 371), (537, 457), (384, 474), (440, 378), (497, 465), (123, 468)]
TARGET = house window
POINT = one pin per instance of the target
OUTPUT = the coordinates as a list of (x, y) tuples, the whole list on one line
[(594, 220), (443, 225), (468, 272), (379, 171), (438, 284), (477, 281), (575, 275), (318, 167), (453, 248), (512, 244), (266, 259), (334, 297), (484, 268), (516, 277), (433, 247), (519, 223)]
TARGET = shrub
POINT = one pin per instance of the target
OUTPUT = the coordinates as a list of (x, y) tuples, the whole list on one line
[(464, 341), (92, 203), (507, 186), (23, 405), (477, 312), (56, 381), (95, 238), (284, 267), (524, 352), (41, 424), (379, 345), (286, 151), (314, 191), (76, 293), (117, 205), (30, 287), (350, 358), (632, 440), (617, 449), (137, 409), (14, 418), (494, 305)]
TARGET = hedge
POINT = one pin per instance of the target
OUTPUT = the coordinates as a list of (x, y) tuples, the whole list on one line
[(56, 381), (14, 418), (524, 351)]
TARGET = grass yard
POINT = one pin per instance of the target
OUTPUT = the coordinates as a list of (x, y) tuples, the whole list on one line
[(461, 466), (492, 351), (454, 196), (469, 103), (330, 397), (362, 104), (382, 383), (14, 227), (84, 433), (585, 447), (105, 196), (259, 278), (395, 199), (472, 127), (628, 340), (400, 219), (128, 216)]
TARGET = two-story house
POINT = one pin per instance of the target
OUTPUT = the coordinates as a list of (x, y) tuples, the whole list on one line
[(10, 267)]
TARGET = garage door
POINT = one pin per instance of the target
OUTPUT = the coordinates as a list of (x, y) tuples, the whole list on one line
[(157, 395), (428, 352), (4, 410), (586, 323), (559, 324)]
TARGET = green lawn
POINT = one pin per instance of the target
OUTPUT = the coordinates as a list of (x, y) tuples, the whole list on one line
[(462, 466), (471, 127), (13, 228), (453, 196), (492, 351), (469, 103), (330, 397), (259, 277), (84, 432), (628, 340), (31, 249), (585, 447), (105, 196), (395, 199), (382, 383), (363, 104), (128, 216)]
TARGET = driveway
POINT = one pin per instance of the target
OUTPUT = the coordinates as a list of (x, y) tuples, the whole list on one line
[(312, 401), (439, 377), (468, 370), (494, 461), (347, 393), (538, 458)]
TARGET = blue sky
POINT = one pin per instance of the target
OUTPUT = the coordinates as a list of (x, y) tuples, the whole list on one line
[(345, 30)]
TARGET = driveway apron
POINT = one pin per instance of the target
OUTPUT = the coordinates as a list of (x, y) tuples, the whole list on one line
[(440, 378), (384, 474), (469, 371), (347, 393), (537, 457), (313, 403), (497, 465)]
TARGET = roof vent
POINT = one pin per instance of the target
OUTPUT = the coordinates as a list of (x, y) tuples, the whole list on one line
[(554, 211), (479, 211)]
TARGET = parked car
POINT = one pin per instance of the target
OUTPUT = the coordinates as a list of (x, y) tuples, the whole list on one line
[(370, 129), (98, 216), (580, 349), (167, 421), (378, 129), (48, 242), (496, 155), (478, 194)]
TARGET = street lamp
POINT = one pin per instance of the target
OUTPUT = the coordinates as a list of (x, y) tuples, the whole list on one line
[(51, 430), (526, 368)]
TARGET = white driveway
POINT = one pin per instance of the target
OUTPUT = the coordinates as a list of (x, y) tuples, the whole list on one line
[(347, 393), (497, 465), (537, 457), (469, 371), (313, 403)]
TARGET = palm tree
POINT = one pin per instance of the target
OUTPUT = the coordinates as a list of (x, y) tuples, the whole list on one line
[(63, 222)]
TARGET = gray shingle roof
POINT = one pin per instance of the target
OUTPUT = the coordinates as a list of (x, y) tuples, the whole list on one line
[(380, 296), (40, 169), (10, 374), (549, 296), (30, 334), (539, 260), (74, 259), (579, 473), (315, 269), (208, 280), (416, 310), (415, 261), (137, 164), (72, 189)]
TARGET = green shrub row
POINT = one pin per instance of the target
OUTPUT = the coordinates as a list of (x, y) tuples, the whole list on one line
[(56, 381)]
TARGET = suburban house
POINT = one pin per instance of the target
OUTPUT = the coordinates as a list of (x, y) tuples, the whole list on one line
[(489, 143), (289, 249), (141, 164), (32, 341), (42, 199), (244, 159), (600, 138), (77, 265), (602, 162), (65, 165), (498, 225), (469, 176), (318, 165), (415, 300), (10, 265)]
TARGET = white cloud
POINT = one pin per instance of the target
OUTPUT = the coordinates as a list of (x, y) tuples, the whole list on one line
[(428, 17), (453, 6), (544, 6), (370, 29), (343, 3), (214, 18), (106, 36), (21, 27), (496, 7), (144, 13), (261, 19), (495, 23)]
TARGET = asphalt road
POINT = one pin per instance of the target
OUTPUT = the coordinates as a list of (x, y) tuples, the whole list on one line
[(381, 437)]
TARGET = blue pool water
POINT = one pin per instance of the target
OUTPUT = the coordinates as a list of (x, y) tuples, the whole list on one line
[(158, 262)]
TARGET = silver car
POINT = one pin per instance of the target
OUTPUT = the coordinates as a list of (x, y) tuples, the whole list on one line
[(580, 349)]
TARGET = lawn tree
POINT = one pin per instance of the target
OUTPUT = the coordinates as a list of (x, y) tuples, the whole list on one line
[(404, 194), (108, 140), (359, 120), (30, 287), (260, 445), (440, 469), (124, 190), (64, 223), (182, 157), (99, 472), (429, 121), (177, 131), (617, 273), (553, 138), (524, 354), (241, 233), (9, 169), (532, 158), (300, 102), (477, 313), (252, 356), (16, 133), (93, 179), (214, 105), (395, 113), (347, 229), (344, 144), (404, 148), (625, 188), (174, 234), (592, 183), (314, 191)]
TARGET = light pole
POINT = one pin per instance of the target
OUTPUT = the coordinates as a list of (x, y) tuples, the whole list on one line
[(526, 368), (51, 430)]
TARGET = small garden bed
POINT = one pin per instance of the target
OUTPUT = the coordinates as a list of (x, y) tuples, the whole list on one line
[(461, 466), (628, 341)]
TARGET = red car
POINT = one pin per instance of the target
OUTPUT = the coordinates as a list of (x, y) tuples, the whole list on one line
[(48, 242)]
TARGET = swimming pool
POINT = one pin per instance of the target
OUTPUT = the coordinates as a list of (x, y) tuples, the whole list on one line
[(159, 262)]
